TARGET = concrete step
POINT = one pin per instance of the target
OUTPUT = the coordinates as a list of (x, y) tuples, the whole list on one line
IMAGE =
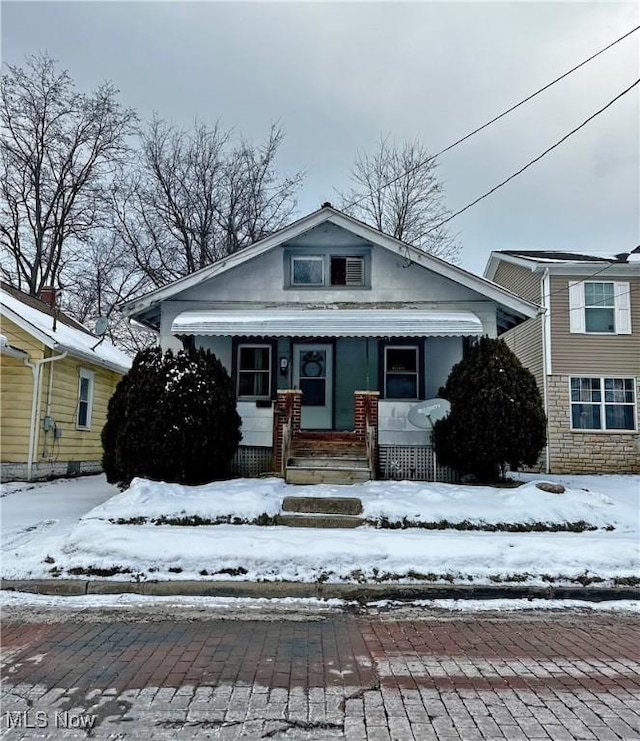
[(326, 450), (323, 521), (317, 461), (323, 505), (311, 475)]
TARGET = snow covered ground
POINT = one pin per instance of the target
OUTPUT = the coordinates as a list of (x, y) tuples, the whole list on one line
[(43, 537)]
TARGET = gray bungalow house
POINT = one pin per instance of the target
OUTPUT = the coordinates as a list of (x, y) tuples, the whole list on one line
[(332, 331)]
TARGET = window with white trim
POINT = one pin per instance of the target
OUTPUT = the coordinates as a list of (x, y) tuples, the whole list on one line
[(85, 399), (603, 404), (401, 372), (254, 371), (599, 307)]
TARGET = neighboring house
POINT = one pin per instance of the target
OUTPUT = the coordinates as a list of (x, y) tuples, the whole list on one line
[(345, 314), (56, 379), (584, 351)]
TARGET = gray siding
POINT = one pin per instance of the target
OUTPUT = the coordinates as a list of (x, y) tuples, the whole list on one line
[(526, 342), (587, 354), (518, 279)]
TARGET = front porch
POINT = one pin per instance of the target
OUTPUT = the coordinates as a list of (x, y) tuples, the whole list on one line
[(380, 445), (325, 457)]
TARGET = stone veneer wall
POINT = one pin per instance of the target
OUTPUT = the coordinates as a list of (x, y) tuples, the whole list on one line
[(586, 452)]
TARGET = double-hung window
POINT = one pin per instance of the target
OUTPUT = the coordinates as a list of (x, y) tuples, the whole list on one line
[(603, 404), (401, 372), (254, 371), (599, 307), (85, 399)]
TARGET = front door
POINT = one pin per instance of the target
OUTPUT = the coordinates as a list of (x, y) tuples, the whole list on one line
[(313, 375)]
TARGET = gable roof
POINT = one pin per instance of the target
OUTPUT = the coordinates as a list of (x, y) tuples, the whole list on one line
[(564, 262), (36, 318), (142, 308)]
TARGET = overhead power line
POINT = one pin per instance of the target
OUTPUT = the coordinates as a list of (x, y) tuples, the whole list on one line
[(356, 201), (533, 161)]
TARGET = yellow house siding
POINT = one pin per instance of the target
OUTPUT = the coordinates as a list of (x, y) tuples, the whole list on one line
[(518, 279), (526, 342), (74, 444), (16, 386), (598, 355)]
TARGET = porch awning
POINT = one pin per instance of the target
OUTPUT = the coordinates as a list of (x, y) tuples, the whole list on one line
[(328, 323)]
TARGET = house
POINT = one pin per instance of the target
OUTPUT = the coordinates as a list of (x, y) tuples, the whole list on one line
[(584, 351), (332, 331), (56, 379)]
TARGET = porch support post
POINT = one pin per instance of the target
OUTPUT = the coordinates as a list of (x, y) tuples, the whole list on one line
[(366, 407)]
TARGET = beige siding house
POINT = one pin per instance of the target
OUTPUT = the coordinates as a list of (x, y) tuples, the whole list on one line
[(584, 350), (56, 379)]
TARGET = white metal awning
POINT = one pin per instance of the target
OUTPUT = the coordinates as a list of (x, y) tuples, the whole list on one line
[(328, 323)]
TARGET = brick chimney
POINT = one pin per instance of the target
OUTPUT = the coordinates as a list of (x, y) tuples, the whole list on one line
[(48, 294)]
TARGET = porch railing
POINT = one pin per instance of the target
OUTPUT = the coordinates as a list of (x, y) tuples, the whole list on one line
[(287, 437)]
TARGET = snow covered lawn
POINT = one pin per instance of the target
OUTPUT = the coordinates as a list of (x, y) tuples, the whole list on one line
[(55, 544), (98, 546)]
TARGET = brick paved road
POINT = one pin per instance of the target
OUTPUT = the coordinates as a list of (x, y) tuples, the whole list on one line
[(403, 676)]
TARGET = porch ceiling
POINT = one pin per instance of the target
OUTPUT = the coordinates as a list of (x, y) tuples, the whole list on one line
[(328, 323)]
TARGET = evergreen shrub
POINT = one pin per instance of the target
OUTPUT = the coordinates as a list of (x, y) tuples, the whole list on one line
[(497, 416), (172, 418)]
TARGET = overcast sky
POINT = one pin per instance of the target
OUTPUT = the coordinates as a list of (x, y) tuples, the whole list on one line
[(339, 75)]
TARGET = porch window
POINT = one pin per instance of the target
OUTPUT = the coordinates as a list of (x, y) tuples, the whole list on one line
[(254, 371), (401, 371), (602, 404), (85, 399)]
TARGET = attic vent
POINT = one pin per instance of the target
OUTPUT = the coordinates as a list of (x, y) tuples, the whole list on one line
[(347, 271), (355, 271)]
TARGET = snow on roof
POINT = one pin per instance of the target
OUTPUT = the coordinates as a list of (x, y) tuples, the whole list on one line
[(68, 336), (553, 256)]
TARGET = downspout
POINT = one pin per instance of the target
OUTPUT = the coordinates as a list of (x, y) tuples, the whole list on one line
[(36, 368), (544, 282)]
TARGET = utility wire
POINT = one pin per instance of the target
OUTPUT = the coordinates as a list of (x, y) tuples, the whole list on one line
[(358, 200), (533, 161)]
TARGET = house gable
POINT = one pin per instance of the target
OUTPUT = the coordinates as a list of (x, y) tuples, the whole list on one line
[(320, 230)]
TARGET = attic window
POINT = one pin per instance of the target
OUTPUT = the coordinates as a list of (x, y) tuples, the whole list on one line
[(347, 271), (307, 271)]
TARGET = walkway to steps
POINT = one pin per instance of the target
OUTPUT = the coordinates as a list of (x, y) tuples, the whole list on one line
[(323, 512), (327, 458)]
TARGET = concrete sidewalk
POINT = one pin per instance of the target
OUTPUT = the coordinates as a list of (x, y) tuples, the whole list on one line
[(360, 678)]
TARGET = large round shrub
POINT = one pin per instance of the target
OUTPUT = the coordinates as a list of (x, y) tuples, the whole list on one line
[(497, 417), (172, 418)]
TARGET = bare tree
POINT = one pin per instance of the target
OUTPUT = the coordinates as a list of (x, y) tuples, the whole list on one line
[(105, 276), (193, 200), (58, 149), (397, 191)]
